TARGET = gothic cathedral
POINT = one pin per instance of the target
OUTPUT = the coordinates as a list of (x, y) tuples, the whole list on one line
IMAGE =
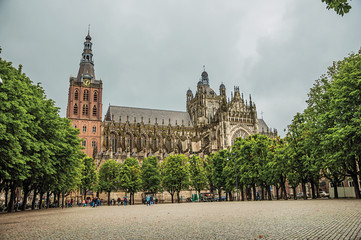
[(210, 123)]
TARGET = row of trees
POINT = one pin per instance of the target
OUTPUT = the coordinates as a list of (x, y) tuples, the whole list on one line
[(326, 137), (40, 152)]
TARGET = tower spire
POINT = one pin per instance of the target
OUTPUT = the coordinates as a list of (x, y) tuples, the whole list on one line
[(86, 63)]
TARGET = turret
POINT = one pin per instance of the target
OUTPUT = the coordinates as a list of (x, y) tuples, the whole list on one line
[(222, 90)]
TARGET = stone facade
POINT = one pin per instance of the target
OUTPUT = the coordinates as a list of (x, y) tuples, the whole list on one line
[(211, 122)]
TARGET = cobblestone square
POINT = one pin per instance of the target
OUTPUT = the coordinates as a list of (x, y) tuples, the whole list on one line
[(311, 219)]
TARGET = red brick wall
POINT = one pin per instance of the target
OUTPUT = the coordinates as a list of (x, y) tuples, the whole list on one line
[(88, 121)]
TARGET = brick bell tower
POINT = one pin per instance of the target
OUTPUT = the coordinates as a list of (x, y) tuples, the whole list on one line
[(85, 102)]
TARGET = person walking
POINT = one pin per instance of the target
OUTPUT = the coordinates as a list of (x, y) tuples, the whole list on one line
[(151, 200), (148, 200), (257, 196), (118, 201)]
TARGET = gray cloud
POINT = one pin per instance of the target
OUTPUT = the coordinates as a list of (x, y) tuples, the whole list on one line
[(148, 53)]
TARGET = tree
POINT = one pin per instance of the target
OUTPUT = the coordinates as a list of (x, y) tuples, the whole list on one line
[(219, 161), (279, 165), (334, 111), (129, 177), (247, 167), (208, 169), (174, 172), (40, 151), (299, 153), (197, 173), (109, 174), (150, 175), (89, 176), (16, 95), (339, 6), (344, 112)]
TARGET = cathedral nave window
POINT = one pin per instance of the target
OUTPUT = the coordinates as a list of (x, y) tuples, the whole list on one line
[(95, 96), (84, 143), (75, 109), (76, 94), (94, 129), (94, 143), (94, 110), (84, 128), (86, 95), (85, 109)]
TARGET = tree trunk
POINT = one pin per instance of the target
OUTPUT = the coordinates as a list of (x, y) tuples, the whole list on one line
[(220, 194), (242, 193), (25, 199), (304, 190), (85, 194), (62, 199), (269, 192), (58, 202), (254, 192), (178, 196), (317, 187), (230, 196), (108, 198), (262, 193), (34, 199), (12, 197), (356, 185), (248, 193), (335, 191), (172, 195), (294, 193), (41, 199), (6, 196), (283, 189), (277, 195), (47, 199), (313, 189)]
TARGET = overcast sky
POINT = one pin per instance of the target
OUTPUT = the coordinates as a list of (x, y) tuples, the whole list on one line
[(148, 53)]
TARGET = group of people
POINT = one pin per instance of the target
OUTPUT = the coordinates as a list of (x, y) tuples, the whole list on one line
[(149, 200), (92, 203), (119, 201)]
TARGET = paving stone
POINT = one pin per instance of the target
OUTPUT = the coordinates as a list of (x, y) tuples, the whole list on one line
[(310, 219)]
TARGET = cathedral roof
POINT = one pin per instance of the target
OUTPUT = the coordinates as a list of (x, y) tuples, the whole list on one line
[(152, 114)]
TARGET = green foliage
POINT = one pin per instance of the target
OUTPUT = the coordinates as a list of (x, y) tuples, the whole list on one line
[(39, 150), (219, 161), (325, 139), (339, 6), (129, 177), (174, 172), (89, 175), (197, 172), (150, 175), (109, 174)]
